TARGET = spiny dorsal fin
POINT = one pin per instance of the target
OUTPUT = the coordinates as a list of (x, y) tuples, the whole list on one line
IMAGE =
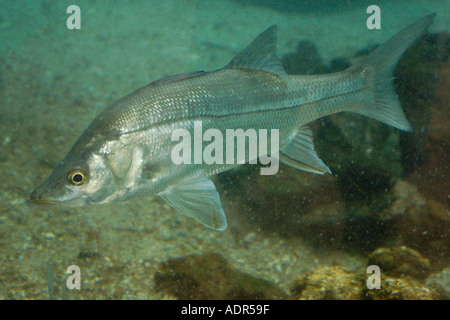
[(260, 55), (300, 153)]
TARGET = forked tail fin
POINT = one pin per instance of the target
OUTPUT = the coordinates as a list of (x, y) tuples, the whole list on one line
[(379, 66)]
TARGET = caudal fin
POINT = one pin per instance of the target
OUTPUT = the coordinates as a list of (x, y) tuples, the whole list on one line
[(379, 66)]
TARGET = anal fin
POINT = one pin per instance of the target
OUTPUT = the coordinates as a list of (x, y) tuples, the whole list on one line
[(300, 153)]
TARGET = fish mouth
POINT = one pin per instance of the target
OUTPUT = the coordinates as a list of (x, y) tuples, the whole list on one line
[(50, 203), (42, 203), (39, 201)]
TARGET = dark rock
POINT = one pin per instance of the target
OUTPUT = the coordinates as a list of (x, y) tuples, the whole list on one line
[(209, 276), (400, 261), (338, 64), (441, 281), (420, 224), (418, 76), (430, 173), (306, 60)]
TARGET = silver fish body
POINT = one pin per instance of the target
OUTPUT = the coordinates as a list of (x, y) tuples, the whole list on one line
[(126, 151)]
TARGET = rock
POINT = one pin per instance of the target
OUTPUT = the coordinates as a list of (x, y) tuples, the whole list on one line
[(407, 200), (420, 223), (329, 283), (430, 175), (306, 60), (335, 283), (400, 261), (209, 276), (440, 118), (416, 89), (401, 289), (423, 91), (441, 281)]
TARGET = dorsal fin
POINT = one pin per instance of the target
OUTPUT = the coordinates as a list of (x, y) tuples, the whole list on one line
[(260, 55)]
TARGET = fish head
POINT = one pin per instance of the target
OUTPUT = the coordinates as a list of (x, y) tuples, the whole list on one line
[(76, 181)]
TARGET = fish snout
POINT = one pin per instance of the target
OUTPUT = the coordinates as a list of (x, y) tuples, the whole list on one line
[(40, 196), (37, 197), (43, 197)]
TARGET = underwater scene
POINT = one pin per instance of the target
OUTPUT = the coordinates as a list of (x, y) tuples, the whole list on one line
[(224, 149)]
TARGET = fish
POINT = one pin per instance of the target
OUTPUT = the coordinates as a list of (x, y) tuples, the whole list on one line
[(125, 153)]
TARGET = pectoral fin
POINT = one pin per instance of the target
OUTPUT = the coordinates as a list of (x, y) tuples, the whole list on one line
[(198, 199), (300, 153)]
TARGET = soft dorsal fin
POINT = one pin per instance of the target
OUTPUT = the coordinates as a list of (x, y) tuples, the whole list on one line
[(260, 55), (300, 153)]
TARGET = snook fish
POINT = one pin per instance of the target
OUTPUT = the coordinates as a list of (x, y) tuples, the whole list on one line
[(125, 152)]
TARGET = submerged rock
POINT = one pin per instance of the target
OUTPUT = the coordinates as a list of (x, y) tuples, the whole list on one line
[(421, 78), (441, 281), (209, 276), (430, 174), (400, 261), (420, 223), (407, 200), (401, 289), (306, 60), (330, 283), (335, 283)]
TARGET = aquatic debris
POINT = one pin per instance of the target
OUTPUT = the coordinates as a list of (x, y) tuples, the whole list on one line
[(209, 276)]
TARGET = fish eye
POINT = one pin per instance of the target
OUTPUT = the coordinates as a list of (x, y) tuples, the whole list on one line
[(77, 177)]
